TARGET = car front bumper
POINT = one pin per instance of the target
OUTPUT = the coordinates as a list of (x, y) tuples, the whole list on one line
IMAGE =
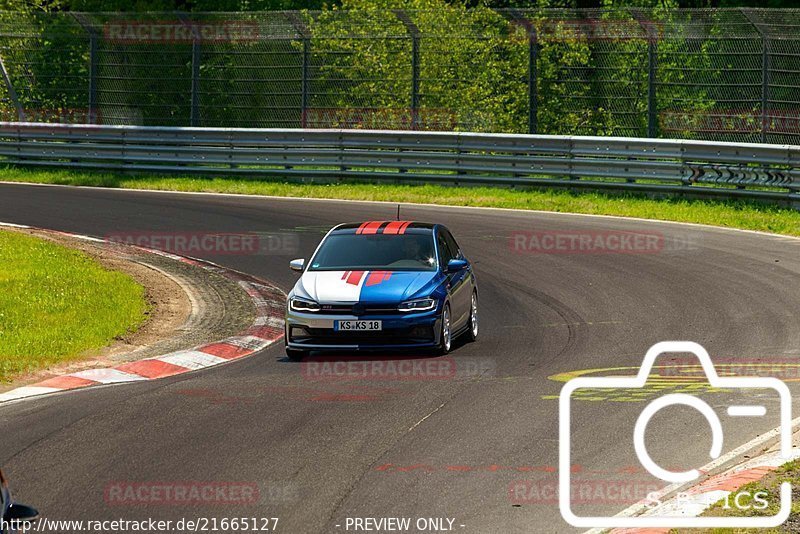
[(314, 331)]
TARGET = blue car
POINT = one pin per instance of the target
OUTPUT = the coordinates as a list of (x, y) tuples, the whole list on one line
[(382, 285)]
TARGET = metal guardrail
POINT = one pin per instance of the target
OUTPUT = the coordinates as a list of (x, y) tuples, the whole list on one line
[(724, 170)]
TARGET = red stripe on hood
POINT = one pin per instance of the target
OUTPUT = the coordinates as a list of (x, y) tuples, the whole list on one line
[(353, 277), (377, 277)]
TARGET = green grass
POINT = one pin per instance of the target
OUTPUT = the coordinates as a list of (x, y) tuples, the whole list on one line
[(770, 485), (57, 303), (734, 214)]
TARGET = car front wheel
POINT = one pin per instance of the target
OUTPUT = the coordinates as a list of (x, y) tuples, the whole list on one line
[(446, 333), (472, 331)]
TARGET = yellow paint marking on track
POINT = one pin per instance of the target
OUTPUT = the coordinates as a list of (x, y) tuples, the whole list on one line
[(676, 378)]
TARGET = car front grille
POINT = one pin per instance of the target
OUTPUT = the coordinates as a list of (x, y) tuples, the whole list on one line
[(328, 336), (360, 309)]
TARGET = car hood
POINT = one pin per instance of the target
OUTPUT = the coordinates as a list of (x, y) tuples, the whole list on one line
[(363, 286)]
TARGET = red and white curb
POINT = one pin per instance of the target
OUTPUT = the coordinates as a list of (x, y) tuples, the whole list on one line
[(693, 501), (267, 328)]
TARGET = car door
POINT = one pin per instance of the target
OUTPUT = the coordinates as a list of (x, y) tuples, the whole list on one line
[(468, 283), (458, 281)]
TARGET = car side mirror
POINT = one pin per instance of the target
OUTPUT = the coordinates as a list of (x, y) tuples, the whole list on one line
[(456, 265), (19, 513), (297, 265)]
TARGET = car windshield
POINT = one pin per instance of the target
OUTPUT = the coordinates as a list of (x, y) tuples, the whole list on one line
[(391, 252)]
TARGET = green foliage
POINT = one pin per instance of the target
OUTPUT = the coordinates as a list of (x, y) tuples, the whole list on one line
[(473, 67), (471, 73), (592, 75)]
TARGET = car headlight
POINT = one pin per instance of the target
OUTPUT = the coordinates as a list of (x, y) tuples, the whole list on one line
[(417, 305), (303, 305)]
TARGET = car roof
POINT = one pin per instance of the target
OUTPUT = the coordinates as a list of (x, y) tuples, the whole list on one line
[(385, 227)]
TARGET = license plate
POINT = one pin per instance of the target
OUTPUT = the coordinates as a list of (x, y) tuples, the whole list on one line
[(357, 325)]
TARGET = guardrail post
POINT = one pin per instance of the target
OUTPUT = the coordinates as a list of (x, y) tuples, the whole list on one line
[(414, 33)]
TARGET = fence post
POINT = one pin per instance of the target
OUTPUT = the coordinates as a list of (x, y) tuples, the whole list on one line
[(92, 78), (414, 33), (305, 34), (195, 111), (533, 67), (90, 29), (764, 86), (304, 85), (414, 82), (651, 32), (533, 75), (764, 71), (652, 105)]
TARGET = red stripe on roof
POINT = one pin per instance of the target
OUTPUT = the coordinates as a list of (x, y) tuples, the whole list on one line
[(372, 227), (396, 227), (403, 228), (361, 228)]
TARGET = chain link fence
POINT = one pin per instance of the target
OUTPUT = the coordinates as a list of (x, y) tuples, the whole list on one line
[(718, 74)]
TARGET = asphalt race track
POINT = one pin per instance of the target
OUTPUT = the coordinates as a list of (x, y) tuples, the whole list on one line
[(322, 451)]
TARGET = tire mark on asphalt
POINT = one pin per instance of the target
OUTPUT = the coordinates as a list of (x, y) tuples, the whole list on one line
[(571, 319)]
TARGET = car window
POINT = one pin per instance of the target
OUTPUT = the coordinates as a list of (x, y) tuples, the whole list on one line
[(451, 243), (445, 254), (393, 252)]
